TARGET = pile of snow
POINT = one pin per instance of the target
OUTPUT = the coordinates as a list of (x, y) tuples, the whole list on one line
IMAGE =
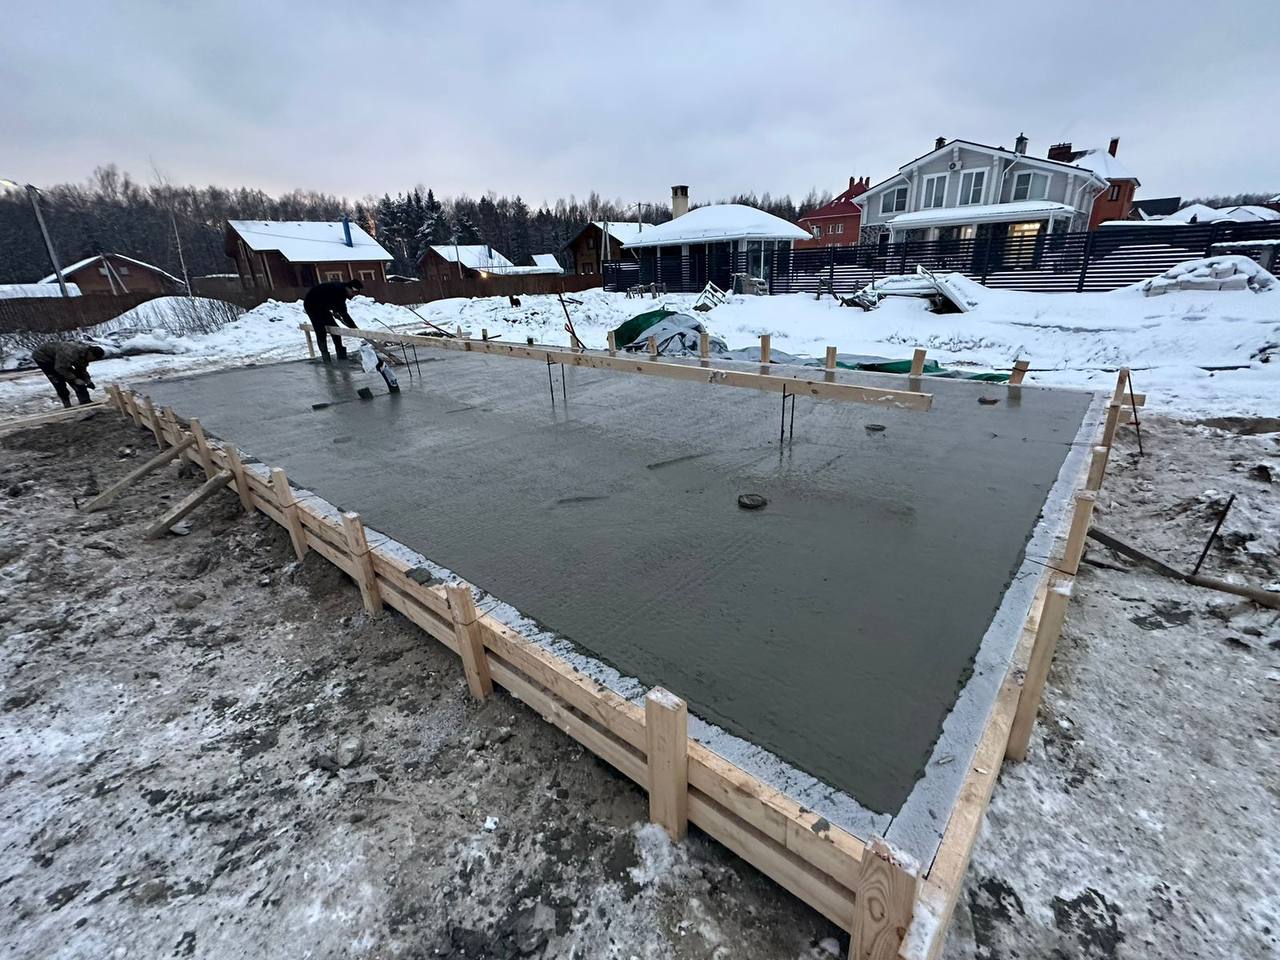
[(15, 291), (1211, 273)]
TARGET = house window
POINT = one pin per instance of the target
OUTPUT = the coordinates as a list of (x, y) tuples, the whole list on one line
[(817, 232), (935, 190), (894, 201), (835, 228), (333, 275), (971, 184), (367, 276), (1115, 192), (1031, 186)]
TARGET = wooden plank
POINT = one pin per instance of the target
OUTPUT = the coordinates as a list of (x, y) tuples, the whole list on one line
[(311, 343), (202, 448), (236, 465), (1081, 517), (207, 490), (289, 508), (886, 899), (64, 413), (431, 623), (613, 343), (600, 360), (358, 547), (169, 428), (917, 362), (397, 571), (159, 460), (131, 406), (666, 725), (470, 647), (1019, 371), (1046, 641), (153, 421), (1097, 467)]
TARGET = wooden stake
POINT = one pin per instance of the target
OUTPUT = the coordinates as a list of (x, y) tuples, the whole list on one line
[(653, 346), (289, 507), (1112, 421), (209, 488), (766, 342), (1047, 632), (169, 425), (466, 629), (1080, 520), (311, 343), (236, 465), (917, 362), (704, 345), (666, 726), (484, 334), (131, 405), (1122, 380), (886, 896), (159, 460), (117, 401), (1020, 369), (202, 448), (1097, 466), (613, 343), (831, 358), (153, 421), (358, 546)]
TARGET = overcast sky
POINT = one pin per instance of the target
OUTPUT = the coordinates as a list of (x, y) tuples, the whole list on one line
[(545, 99)]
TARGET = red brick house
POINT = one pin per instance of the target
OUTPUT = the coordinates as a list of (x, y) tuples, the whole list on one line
[(837, 222), (114, 273), (1114, 203), (271, 254)]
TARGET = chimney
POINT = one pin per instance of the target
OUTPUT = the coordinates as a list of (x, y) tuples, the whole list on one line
[(853, 183), (346, 230), (1114, 146), (679, 200), (1061, 152), (1020, 145), (939, 143)]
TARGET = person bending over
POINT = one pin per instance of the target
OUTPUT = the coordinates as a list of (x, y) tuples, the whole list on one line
[(325, 303), (67, 362)]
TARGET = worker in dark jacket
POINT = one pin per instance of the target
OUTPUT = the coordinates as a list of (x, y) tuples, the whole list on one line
[(67, 362), (326, 302)]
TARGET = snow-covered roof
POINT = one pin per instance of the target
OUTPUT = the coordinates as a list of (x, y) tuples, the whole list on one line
[(309, 241), (1246, 213), (982, 213), (81, 264), (622, 230), (17, 291), (1251, 213), (474, 256), (547, 262), (721, 221), (1104, 165)]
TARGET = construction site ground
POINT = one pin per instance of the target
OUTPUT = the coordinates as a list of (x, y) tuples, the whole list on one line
[(207, 749)]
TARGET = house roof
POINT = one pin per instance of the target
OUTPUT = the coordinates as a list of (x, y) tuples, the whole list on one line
[(720, 221), (474, 256), (81, 264), (13, 291), (982, 213), (841, 206), (620, 230), (547, 262), (1247, 213), (308, 241), (1157, 207), (1103, 164)]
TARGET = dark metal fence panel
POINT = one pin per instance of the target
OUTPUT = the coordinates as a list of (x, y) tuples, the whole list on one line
[(1093, 261)]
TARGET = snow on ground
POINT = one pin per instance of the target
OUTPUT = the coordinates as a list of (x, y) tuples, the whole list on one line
[(1073, 340)]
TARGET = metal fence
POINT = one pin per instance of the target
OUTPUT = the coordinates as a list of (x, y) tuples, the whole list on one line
[(1093, 261)]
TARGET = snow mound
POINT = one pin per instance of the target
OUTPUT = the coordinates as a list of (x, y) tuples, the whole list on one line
[(1210, 273)]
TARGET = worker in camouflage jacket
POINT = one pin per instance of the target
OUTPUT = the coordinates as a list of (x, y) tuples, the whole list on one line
[(66, 362)]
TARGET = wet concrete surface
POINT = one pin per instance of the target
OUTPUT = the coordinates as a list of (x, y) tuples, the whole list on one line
[(833, 627)]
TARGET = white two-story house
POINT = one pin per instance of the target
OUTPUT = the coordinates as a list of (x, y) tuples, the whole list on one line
[(961, 190)]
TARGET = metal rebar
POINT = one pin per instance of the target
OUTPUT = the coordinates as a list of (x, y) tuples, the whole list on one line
[(1216, 527), (551, 384), (563, 390), (1133, 402)]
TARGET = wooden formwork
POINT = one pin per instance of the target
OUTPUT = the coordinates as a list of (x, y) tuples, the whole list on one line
[(890, 906)]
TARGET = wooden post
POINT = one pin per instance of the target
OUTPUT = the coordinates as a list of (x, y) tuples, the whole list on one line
[(886, 896), (153, 421), (466, 629), (311, 343), (766, 342), (1122, 382), (917, 362), (1097, 467), (236, 466), (666, 728), (704, 345), (359, 547), (210, 487), (202, 448), (169, 425), (131, 407), (289, 507), (1047, 632), (653, 347), (831, 358), (159, 460), (484, 334), (1080, 520), (1112, 421), (613, 343), (116, 400), (1020, 369)]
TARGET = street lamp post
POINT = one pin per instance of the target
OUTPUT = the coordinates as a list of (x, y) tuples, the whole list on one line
[(34, 195)]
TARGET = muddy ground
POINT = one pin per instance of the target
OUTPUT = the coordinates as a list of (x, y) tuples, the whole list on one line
[(207, 749)]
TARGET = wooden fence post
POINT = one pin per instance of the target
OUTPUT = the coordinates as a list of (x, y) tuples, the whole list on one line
[(1048, 630), (653, 347), (289, 507), (1112, 421), (153, 421), (885, 901), (358, 544), (613, 343), (1020, 369), (202, 448), (466, 629), (666, 728), (917, 362), (1097, 466), (1080, 520), (766, 342), (831, 356), (169, 425), (704, 345), (131, 407), (236, 466)]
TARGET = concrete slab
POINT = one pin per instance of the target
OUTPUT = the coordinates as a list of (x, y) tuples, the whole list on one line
[(835, 627)]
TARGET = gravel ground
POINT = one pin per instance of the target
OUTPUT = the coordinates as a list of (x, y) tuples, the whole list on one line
[(207, 749)]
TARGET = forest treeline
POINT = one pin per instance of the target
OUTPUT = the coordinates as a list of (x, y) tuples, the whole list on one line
[(112, 212)]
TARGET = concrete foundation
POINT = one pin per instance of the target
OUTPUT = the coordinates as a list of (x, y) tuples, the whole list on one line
[(835, 627)]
